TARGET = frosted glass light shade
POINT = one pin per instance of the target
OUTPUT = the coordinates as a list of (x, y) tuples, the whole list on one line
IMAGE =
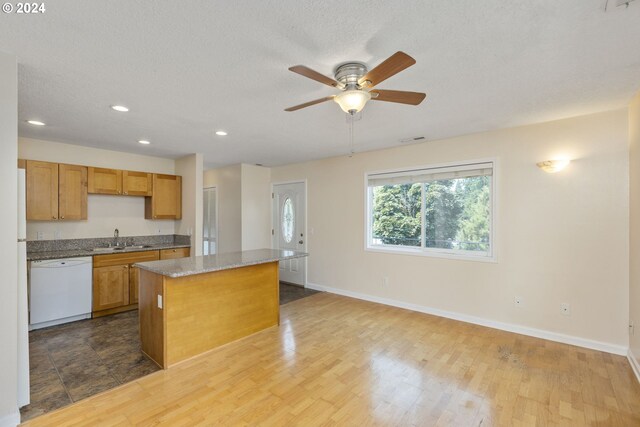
[(553, 166), (352, 100)]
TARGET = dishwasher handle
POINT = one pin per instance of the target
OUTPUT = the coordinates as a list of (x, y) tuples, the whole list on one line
[(61, 263)]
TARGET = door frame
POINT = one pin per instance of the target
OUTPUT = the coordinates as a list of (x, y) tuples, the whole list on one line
[(306, 220), (216, 213)]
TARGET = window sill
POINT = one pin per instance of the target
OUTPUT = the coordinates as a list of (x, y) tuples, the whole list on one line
[(431, 254)]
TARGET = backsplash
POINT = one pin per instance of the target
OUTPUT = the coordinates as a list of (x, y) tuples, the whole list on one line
[(73, 244)]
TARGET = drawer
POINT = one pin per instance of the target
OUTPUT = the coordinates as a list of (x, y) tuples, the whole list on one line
[(175, 253), (124, 258)]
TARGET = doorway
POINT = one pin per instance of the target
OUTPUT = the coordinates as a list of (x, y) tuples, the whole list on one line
[(288, 230), (210, 221)]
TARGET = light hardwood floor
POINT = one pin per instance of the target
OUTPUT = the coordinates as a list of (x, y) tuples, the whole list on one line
[(341, 361)]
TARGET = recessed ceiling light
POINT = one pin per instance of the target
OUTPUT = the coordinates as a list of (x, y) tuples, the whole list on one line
[(120, 108), (221, 133), (35, 122), (144, 141)]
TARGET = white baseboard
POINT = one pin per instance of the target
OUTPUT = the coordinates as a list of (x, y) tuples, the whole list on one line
[(518, 329), (633, 361), (10, 420)]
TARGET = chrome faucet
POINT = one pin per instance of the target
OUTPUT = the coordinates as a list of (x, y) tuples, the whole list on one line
[(116, 234)]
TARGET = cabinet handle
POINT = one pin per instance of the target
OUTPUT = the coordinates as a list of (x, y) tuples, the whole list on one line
[(126, 192), (174, 250), (62, 217), (124, 266), (54, 217)]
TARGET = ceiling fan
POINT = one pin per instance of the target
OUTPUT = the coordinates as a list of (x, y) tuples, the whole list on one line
[(356, 83)]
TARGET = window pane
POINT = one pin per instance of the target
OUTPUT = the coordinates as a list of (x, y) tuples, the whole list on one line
[(288, 220), (396, 215), (457, 214)]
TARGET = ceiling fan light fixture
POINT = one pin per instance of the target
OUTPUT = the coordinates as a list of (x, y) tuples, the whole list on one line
[(352, 101)]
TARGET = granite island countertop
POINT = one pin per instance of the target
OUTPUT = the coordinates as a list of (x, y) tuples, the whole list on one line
[(181, 267)]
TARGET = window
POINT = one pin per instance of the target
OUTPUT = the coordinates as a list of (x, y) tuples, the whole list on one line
[(440, 211)]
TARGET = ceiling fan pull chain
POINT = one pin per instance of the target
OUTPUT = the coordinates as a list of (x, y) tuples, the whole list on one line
[(351, 120)]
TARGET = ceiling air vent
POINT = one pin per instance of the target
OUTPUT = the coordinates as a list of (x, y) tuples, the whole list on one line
[(414, 139)]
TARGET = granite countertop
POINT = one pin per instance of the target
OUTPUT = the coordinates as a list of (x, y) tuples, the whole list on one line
[(181, 267), (71, 253)]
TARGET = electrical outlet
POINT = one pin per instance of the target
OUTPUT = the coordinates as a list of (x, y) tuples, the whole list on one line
[(57, 235), (40, 235), (159, 231), (385, 282), (565, 309), (631, 329), (517, 301), (160, 301)]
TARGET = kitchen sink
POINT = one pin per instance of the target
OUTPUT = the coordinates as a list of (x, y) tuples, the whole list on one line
[(119, 248), (112, 249)]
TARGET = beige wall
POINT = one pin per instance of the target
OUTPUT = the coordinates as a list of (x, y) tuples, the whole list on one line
[(191, 170), (559, 237), (9, 218), (634, 226), (227, 181), (256, 200), (105, 213)]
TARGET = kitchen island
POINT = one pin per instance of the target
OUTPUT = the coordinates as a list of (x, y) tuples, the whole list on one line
[(191, 305)]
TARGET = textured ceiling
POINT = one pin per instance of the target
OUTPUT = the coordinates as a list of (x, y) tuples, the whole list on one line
[(187, 68)]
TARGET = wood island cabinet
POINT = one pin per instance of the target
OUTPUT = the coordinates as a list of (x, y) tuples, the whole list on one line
[(166, 200), (56, 191)]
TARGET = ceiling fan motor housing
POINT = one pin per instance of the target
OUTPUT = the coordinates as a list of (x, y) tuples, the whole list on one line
[(348, 74)]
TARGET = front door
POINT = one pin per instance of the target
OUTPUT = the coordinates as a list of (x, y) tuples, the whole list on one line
[(289, 203)]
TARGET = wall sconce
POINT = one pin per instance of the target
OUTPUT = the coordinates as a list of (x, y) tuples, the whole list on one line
[(553, 166)]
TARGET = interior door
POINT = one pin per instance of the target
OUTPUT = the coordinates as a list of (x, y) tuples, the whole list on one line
[(289, 225)]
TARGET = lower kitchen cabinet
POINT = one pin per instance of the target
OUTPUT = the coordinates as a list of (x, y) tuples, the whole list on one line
[(110, 287), (116, 280), (134, 280), (175, 253)]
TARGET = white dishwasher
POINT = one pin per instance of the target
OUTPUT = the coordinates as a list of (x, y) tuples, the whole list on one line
[(60, 291)]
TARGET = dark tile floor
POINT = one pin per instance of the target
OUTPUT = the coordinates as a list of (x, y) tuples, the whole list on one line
[(76, 360)]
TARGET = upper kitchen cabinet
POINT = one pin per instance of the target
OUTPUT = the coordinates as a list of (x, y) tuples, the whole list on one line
[(42, 191), (105, 181), (166, 199), (72, 192), (56, 192), (137, 183)]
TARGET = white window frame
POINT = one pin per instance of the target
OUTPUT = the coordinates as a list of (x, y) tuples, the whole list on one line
[(433, 252)]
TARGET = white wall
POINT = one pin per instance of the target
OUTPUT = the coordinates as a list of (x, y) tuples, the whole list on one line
[(227, 181), (256, 200), (634, 223), (9, 414), (560, 237), (105, 213), (191, 169)]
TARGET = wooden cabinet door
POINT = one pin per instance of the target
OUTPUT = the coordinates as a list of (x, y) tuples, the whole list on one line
[(134, 281), (136, 183), (166, 201), (72, 192), (174, 253), (42, 191), (110, 287), (105, 181)]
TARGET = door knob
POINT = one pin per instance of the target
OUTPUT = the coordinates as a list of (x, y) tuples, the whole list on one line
[(300, 241)]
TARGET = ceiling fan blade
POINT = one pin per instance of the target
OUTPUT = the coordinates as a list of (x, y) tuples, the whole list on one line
[(310, 103), (389, 67), (400, 96), (313, 75)]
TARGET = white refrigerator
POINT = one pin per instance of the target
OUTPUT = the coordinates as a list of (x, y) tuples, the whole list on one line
[(23, 306)]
